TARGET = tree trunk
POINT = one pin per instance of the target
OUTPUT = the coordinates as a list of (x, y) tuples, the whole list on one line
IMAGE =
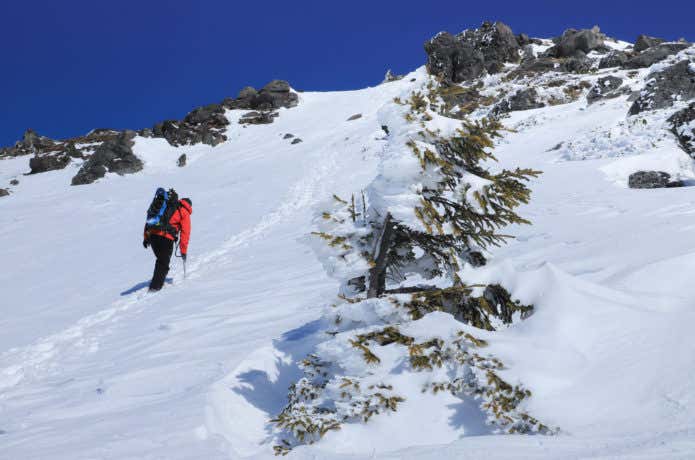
[(377, 274)]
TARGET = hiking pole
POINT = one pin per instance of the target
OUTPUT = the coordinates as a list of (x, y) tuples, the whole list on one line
[(184, 268)]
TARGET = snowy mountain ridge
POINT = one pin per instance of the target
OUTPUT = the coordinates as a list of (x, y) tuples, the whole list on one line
[(91, 367)]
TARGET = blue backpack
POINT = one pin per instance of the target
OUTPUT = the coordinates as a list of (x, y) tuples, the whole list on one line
[(163, 206)]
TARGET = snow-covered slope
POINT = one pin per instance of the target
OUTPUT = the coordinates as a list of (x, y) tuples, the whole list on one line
[(92, 367)]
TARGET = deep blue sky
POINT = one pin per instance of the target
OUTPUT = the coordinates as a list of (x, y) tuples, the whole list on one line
[(70, 66)]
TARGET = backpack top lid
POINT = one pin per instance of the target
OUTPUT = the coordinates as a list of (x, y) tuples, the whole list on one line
[(162, 207)]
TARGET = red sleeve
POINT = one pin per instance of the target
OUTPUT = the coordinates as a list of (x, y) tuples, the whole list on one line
[(185, 232)]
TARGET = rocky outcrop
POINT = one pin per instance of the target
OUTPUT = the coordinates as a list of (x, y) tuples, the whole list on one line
[(114, 156), (4, 192), (274, 95), (48, 162), (471, 53), (572, 41), (31, 143), (654, 54), (524, 99), (644, 41), (676, 81), (652, 179), (205, 125), (614, 58), (606, 88), (181, 162), (683, 127)]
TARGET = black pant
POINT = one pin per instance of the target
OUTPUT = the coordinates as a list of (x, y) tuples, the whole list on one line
[(162, 248)]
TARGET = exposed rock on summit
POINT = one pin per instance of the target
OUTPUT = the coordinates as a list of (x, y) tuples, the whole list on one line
[(274, 95), (471, 53), (652, 179), (573, 41)]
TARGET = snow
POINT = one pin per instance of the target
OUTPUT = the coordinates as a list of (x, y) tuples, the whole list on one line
[(93, 367)]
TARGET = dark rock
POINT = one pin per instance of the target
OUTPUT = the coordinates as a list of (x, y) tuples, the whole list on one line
[(296, 141), (48, 162), (4, 192), (540, 65), (385, 129), (654, 54), (272, 96), (258, 118), (355, 117), (467, 55), (32, 143), (477, 259), (14, 182), (676, 81), (683, 127), (644, 41), (524, 99), (112, 156), (573, 40), (613, 59), (288, 136), (577, 64), (652, 179), (205, 125), (606, 88), (181, 162)]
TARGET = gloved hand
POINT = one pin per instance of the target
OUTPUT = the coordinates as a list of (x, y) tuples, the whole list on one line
[(183, 256), (145, 243)]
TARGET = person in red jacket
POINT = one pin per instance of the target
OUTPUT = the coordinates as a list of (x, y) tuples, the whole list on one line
[(163, 242)]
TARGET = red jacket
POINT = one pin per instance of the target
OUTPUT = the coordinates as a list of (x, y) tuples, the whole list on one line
[(181, 221)]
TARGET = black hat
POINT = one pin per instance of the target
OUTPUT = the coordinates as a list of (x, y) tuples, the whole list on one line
[(188, 200)]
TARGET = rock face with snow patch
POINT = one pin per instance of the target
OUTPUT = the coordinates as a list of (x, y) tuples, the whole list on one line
[(652, 179), (471, 53), (48, 162), (605, 88), (524, 99), (654, 54), (114, 156), (676, 81), (683, 127)]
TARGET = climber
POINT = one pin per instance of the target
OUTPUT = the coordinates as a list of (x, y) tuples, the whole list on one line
[(175, 226)]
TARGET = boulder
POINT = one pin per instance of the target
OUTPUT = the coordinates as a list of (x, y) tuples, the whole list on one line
[(288, 136), (181, 162), (652, 179), (114, 156), (355, 117), (14, 182), (274, 95), (205, 125), (664, 86), (654, 54), (4, 192), (572, 40), (683, 127), (48, 162), (469, 54), (296, 140), (606, 88), (644, 41), (577, 64), (524, 99), (614, 58)]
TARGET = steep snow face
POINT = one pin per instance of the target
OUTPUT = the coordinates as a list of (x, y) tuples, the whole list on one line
[(92, 367)]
